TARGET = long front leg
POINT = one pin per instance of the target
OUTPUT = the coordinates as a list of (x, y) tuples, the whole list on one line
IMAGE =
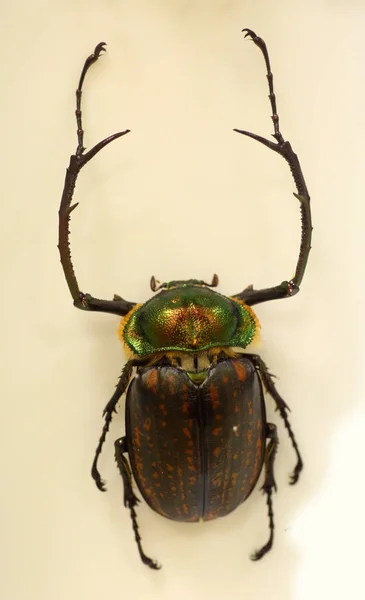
[(288, 288), (77, 162)]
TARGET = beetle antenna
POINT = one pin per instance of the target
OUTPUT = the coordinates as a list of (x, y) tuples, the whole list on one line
[(214, 282), (154, 284)]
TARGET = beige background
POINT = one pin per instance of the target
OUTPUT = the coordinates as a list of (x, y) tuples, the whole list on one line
[(181, 196)]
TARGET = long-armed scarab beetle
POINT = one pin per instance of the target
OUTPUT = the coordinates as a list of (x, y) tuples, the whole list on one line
[(196, 431)]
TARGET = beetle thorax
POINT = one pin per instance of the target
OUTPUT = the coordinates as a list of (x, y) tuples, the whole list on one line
[(188, 319)]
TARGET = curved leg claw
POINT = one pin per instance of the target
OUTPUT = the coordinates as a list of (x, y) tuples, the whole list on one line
[(152, 564), (99, 48), (100, 483), (297, 471), (249, 33), (255, 38), (264, 550)]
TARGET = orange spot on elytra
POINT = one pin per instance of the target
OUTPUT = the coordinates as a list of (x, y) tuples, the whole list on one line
[(213, 392), (248, 458), (181, 483), (216, 451), (162, 408), (137, 437), (185, 407), (147, 424), (163, 424), (240, 370), (217, 481), (249, 436), (217, 431), (172, 382), (152, 380), (187, 432)]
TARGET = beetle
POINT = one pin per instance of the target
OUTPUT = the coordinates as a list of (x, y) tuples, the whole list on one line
[(196, 436)]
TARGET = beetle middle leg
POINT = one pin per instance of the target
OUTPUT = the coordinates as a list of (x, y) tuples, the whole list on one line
[(282, 407), (269, 485), (130, 499), (108, 412)]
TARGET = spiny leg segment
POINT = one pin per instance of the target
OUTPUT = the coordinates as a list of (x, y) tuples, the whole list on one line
[(130, 500), (282, 407), (77, 162), (287, 288), (108, 412), (268, 486)]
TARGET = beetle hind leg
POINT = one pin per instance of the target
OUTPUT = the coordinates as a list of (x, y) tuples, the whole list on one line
[(130, 499), (268, 486)]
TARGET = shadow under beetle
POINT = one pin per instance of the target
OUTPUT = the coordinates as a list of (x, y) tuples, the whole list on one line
[(196, 430)]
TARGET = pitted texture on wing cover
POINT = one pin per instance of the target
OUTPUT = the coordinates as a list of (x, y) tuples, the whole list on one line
[(196, 452)]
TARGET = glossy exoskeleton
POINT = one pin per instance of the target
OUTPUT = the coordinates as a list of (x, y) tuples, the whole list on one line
[(196, 431)]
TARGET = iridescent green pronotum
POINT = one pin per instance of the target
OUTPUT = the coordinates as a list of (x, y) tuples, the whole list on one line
[(196, 435)]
